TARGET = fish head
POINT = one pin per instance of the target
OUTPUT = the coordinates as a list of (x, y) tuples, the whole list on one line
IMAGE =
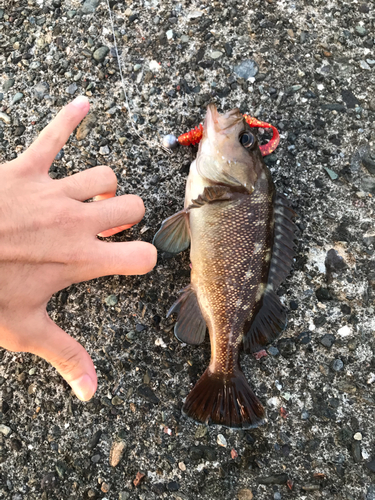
[(229, 152)]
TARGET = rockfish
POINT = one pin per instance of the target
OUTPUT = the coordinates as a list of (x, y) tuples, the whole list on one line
[(241, 236)]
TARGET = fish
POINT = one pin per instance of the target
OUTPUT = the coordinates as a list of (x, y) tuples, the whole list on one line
[(241, 235)]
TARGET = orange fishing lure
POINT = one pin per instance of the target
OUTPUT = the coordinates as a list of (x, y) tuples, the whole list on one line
[(195, 135)]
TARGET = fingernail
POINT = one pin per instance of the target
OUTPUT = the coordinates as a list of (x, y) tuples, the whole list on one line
[(84, 387), (80, 102)]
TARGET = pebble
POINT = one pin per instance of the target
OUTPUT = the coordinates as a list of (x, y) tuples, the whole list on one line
[(116, 453), (169, 34), (146, 392), (364, 65), (221, 441), (333, 176), (247, 69), (201, 431), (8, 84), (111, 300), (35, 65), (371, 465), (368, 185), (123, 495), (356, 452), (95, 458), (337, 365), (357, 436), (273, 351), (128, 12), (105, 487), (87, 124), (274, 479), (40, 90), (182, 466), (228, 49), (345, 331), (184, 39), (245, 494), (77, 77), (173, 486), (18, 131), (117, 401), (100, 53), (216, 54), (93, 442), (137, 67), (5, 118), (334, 262), (360, 30), (5, 430), (328, 340), (72, 88), (104, 150), (90, 6)]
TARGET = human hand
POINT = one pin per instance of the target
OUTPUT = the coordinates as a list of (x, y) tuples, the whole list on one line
[(48, 241)]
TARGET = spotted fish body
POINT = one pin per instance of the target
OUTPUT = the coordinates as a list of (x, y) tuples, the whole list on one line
[(241, 238)]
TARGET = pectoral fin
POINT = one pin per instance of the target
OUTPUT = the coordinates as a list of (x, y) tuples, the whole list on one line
[(190, 326), (173, 235)]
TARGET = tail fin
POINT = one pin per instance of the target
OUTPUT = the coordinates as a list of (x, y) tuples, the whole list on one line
[(224, 400)]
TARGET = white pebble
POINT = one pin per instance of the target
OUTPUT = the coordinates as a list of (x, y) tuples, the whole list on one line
[(221, 441), (5, 430), (344, 331), (358, 436)]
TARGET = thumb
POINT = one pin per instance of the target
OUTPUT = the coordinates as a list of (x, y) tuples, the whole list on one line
[(69, 358)]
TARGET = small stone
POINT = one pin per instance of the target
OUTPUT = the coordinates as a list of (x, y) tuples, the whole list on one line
[(8, 84), (356, 452), (247, 69), (323, 294), (100, 54), (146, 392), (184, 39), (117, 401), (104, 150), (72, 88), (94, 440), (90, 6), (137, 67), (333, 176), (221, 441), (228, 49), (123, 495), (5, 118), (105, 487), (173, 486), (77, 76), (349, 98), (337, 365), (357, 436), (334, 262), (35, 65), (40, 90), (201, 431), (360, 30), (182, 466), (345, 331), (287, 347), (17, 98), (371, 465), (49, 481), (95, 458), (5, 430), (274, 479), (111, 300), (128, 12), (273, 351), (15, 444), (140, 328), (87, 124), (328, 340), (169, 34), (364, 65), (216, 54), (245, 494)]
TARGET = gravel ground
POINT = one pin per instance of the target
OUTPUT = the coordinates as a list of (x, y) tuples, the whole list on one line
[(312, 75)]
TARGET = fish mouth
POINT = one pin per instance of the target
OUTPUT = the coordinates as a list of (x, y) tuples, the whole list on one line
[(216, 122)]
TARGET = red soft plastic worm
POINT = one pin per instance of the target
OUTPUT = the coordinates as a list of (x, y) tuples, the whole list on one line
[(195, 135)]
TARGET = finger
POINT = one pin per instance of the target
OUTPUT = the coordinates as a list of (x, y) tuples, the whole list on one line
[(69, 358), (129, 258), (125, 210), (98, 183), (39, 156)]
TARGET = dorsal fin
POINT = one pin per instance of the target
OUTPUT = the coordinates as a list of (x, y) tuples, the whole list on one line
[(271, 317), (211, 194)]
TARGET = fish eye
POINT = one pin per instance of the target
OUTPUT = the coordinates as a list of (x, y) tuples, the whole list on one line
[(247, 140)]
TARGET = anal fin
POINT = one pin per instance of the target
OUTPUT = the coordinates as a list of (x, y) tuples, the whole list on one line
[(173, 235), (269, 322), (190, 326)]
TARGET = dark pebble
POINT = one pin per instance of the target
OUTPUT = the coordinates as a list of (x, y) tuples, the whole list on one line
[(287, 347), (364, 8), (311, 487), (323, 294), (59, 155), (337, 365), (356, 452), (132, 18), (139, 327), (158, 488), (49, 481), (15, 444), (328, 340), (334, 262), (228, 49), (173, 486), (273, 351), (146, 392), (319, 321), (94, 440), (304, 338), (198, 452), (334, 107), (371, 465), (345, 309), (18, 131), (349, 98), (274, 479), (293, 305)]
